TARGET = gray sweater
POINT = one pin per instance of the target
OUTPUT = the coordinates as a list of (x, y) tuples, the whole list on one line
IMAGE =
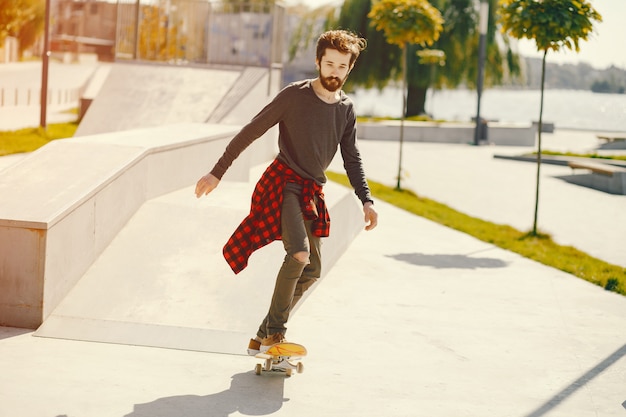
[(310, 132)]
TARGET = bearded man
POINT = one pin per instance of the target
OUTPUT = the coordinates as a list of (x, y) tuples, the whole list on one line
[(315, 119)]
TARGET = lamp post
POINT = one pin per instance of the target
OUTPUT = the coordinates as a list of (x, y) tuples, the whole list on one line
[(482, 46), (44, 68)]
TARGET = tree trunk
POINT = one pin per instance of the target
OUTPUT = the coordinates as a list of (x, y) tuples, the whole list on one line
[(416, 100), (540, 127), (404, 100)]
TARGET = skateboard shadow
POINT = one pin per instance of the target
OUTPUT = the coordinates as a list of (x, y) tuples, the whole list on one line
[(248, 394), (441, 261)]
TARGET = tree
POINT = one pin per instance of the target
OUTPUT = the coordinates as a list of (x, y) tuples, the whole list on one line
[(552, 24), (406, 22), (22, 19), (381, 62), (159, 38), (31, 30)]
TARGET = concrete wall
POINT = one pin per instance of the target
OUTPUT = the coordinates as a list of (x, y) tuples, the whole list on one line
[(143, 95), (497, 133), (63, 204), (613, 184)]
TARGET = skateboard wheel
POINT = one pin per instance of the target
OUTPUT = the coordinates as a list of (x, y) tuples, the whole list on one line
[(258, 368), (268, 365), (289, 372), (300, 367)]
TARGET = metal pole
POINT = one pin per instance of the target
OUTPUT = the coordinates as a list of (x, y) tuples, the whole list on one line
[(44, 70), (137, 19), (482, 46)]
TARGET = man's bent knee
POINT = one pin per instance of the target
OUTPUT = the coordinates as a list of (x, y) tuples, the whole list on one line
[(302, 257)]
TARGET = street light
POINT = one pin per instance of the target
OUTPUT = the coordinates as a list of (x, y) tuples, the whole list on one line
[(482, 46), (44, 68)]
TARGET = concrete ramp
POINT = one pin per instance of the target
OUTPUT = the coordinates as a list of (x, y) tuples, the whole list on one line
[(125, 96), (163, 282)]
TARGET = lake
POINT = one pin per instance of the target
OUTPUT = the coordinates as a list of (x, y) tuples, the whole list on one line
[(567, 109)]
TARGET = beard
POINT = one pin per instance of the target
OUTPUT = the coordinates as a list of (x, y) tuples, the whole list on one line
[(332, 84)]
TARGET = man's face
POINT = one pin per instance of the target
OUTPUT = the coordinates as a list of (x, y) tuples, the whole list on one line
[(334, 69)]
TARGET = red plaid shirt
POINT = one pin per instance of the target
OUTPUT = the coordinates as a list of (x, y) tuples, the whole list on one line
[(262, 225)]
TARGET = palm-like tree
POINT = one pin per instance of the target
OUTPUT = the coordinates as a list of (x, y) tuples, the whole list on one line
[(552, 24), (406, 22)]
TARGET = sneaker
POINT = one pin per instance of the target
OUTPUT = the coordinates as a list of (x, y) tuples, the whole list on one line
[(271, 340), (254, 347)]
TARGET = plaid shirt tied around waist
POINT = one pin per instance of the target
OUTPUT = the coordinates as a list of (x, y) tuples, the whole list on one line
[(262, 225)]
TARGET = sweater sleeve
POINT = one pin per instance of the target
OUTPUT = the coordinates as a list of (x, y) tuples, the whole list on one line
[(269, 116), (352, 161)]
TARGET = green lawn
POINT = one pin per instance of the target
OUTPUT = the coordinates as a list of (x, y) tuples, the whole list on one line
[(539, 248), (30, 139)]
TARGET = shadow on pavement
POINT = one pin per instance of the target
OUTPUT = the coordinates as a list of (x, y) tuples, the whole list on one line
[(248, 394), (441, 261), (580, 383)]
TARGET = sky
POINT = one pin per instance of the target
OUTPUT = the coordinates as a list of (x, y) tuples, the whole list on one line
[(605, 47)]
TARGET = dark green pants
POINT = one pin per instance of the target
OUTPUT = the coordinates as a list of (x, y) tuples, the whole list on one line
[(294, 277)]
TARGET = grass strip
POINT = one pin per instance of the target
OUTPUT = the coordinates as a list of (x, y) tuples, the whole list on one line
[(540, 248), (30, 139), (595, 155)]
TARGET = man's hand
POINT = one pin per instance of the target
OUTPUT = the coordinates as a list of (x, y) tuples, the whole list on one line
[(206, 184), (371, 217)]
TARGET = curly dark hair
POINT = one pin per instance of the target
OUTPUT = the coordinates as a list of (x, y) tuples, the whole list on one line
[(342, 41)]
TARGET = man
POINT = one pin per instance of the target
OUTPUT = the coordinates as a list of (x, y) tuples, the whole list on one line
[(315, 119)]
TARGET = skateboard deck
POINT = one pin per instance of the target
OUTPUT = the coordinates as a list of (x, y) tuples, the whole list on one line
[(281, 357)]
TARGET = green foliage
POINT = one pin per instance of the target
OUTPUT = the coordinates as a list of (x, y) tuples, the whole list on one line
[(381, 62), (159, 38), (606, 86), (22, 19), (586, 155), (32, 29), (539, 247), (407, 21), (552, 24), (308, 28), (432, 57)]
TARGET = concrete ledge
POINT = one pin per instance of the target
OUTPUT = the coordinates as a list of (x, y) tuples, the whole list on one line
[(615, 184), (63, 204), (503, 134), (603, 177), (170, 287), (606, 175)]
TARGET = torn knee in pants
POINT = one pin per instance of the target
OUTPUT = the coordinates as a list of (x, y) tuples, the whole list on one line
[(302, 257)]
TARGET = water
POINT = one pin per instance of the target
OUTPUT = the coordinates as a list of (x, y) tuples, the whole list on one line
[(567, 109)]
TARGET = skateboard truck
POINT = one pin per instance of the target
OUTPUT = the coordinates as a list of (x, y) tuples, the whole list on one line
[(280, 357)]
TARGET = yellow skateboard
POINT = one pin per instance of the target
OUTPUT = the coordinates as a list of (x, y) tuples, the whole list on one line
[(281, 357)]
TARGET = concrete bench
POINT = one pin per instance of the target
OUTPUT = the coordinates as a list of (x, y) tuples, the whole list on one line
[(611, 138), (603, 177), (596, 167), (501, 134), (612, 142)]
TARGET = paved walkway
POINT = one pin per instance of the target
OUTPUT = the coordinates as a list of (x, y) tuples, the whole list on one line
[(414, 319), (471, 180)]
